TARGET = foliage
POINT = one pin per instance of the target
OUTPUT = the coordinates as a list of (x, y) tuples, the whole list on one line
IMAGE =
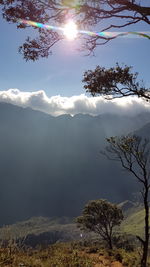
[(114, 82), (58, 255), (100, 217), (127, 259), (68, 255), (87, 13)]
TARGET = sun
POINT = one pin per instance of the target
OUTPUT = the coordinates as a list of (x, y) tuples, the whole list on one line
[(70, 30)]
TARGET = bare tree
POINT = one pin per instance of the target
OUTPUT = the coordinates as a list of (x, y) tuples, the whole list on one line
[(89, 15), (134, 154), (114, 82)]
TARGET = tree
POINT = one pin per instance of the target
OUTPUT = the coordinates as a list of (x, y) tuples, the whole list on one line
[(100, 217), (116, 14), (134, 154), (114, 82), (87, 13)]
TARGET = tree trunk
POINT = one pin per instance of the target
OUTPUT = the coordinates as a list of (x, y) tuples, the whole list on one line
[(144, 256), (110, 243), (146, 242)]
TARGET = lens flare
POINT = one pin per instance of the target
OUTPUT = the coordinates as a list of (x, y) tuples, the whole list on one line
[(70, 30)]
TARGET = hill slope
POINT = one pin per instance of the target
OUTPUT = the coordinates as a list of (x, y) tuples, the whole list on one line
[(44, 230), (51, 166)]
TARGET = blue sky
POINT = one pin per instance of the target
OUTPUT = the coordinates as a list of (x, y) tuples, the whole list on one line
[(61, 73)]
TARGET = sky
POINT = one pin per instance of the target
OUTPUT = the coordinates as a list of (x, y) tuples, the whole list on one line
[(60, 75)]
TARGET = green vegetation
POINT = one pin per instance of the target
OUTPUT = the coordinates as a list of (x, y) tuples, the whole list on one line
[(40, 225), (57, 255), (75, 254), (134, 223), (86, 251), (100, 217)]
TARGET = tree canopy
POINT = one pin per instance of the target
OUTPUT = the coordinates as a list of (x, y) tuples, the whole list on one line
[(115, 82), (89, 15), (101, 216)]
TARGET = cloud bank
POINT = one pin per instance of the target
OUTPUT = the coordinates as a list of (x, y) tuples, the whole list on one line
[(58, 105)]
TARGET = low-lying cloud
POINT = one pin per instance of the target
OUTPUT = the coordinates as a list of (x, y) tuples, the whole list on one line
[(58, 105)]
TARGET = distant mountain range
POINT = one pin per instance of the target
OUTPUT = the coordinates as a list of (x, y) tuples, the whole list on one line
[(51, 166)]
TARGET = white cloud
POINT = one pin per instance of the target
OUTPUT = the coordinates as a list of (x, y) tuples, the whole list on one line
[(57, 105)]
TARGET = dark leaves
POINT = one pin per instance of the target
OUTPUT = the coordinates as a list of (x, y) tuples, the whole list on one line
[(100, 216), (87, 13), (114, 82)]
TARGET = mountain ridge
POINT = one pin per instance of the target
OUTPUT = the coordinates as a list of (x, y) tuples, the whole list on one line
[(51, 166)]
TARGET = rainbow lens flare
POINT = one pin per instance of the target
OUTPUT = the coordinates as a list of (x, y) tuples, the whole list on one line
[(70, 31)]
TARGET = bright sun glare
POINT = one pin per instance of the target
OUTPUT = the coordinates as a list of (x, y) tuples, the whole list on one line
[(70, 30)]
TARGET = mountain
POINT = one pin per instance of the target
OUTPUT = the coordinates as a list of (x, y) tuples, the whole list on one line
[(134, 222), (127, 206), (43, 230), (51, 166), (144, 131)]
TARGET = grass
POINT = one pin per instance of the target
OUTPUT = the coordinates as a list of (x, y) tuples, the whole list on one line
[(60, 255), (72, 254), (134, 223)]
